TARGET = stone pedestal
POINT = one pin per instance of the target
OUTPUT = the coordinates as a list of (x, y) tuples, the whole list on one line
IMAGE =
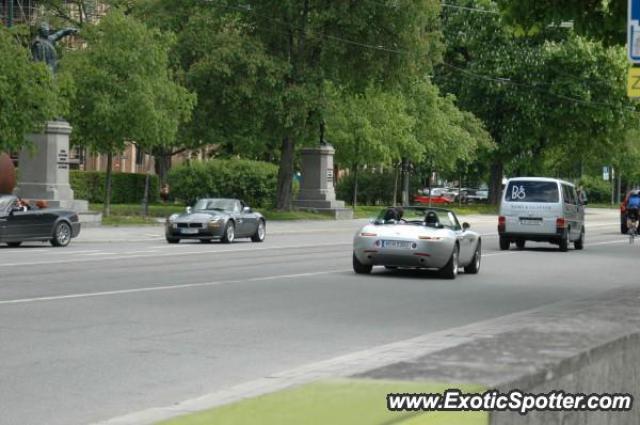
[(44, 168), (316, 188)]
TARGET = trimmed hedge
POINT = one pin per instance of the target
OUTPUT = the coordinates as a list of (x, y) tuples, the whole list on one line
[(374, 188), (598, 190), (126, 188), (254, 182)]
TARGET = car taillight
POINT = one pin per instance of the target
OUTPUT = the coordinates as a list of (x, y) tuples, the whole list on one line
[(367, 234), (561, 223), (502, 221)]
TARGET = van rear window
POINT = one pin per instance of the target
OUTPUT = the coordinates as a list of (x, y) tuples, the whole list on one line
[(531, 191)]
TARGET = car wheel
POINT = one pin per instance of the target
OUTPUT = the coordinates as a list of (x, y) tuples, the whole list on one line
[(61, 234), (504, 244), (474, 266), (564, 243), (14, 244), (579, 244), (450, 270), (172, 240), (261, 232), (520, 243), (229, 233), (623, 226), (360, 268)]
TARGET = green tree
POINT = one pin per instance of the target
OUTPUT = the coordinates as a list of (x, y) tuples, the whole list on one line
[(552, 92), (125, 92), (601, 19), (28, 95)]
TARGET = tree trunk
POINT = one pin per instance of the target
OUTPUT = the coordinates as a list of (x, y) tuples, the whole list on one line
[(355, 185), (285, 175), (430, 181), (405, 182), (162, 166), (107, 191), (495, 182), (395, 186)]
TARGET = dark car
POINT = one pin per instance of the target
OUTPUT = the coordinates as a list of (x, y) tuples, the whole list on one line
[(216, 218), (623, 210), (20, 223)]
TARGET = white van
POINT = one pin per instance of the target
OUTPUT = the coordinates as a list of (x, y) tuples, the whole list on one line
[(540, 209)]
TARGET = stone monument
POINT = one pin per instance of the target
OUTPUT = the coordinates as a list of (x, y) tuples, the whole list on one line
[(316, 188), (44, 166)]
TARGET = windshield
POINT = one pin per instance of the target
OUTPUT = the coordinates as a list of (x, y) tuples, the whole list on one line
[(215, 204), (423, 216), (531, 191)]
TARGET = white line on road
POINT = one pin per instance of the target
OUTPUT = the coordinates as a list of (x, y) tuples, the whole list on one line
[(162, 288), (124, 256)]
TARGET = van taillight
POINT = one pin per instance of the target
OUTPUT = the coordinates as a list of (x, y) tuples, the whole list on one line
[(501, 224), (561, 223)]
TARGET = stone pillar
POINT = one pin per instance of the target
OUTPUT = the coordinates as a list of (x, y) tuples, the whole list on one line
[(44, 168), (316, 188)]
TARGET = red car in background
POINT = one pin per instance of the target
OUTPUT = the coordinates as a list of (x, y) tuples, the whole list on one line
[(437, 197)]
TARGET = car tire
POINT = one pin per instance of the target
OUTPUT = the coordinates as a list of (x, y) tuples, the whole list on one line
[(229, 233), (520, 243), (623, 226), (564, 243), (504, 244), (579, 243), (172, 240), (360, 268), (450, 270), (14, 244), (61, 234), (261, 232), (474, 266)]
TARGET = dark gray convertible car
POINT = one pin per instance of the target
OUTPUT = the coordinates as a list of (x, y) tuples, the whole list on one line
[(216, 218), (19, 224)]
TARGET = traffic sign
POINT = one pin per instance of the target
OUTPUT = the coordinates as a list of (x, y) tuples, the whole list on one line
[(633, 82), (633, 31)]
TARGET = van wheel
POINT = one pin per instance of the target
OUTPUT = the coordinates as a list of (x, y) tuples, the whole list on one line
[(579, 244), (564, 243), (504, 244), (520, 243)]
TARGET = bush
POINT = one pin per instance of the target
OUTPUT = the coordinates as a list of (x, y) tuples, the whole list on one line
[(126, 188), (374, 188), (598, 190), (254, 182)]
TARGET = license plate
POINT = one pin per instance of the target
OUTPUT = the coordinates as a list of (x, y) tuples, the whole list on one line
[(189, 231), (530, 222), (396, 244)]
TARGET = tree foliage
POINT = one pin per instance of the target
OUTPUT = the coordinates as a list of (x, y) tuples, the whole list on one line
[(125, 92), (28, 95)]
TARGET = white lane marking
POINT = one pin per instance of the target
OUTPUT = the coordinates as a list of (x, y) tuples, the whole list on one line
[(101, 253), (123, 255), (163, 288)]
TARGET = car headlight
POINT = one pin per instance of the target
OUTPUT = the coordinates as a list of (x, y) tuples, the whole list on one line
[(215, 221), (172, 217)]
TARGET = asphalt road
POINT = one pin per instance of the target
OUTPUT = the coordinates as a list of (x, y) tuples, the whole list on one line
[(104, 328)]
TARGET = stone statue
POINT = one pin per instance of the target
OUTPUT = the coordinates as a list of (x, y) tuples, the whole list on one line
[(323, 141), (43, 46)]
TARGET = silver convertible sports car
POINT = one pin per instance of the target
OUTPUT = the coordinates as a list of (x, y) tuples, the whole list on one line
[(219, 218), (418, 238)]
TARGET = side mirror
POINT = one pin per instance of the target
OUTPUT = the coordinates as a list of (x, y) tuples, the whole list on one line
[(188, 209), (466, 226), (246, 210)]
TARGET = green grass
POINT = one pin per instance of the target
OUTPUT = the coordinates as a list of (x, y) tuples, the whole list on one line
[(335, 402)]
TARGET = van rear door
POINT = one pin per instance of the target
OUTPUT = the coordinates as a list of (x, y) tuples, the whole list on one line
[(531, 206)]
